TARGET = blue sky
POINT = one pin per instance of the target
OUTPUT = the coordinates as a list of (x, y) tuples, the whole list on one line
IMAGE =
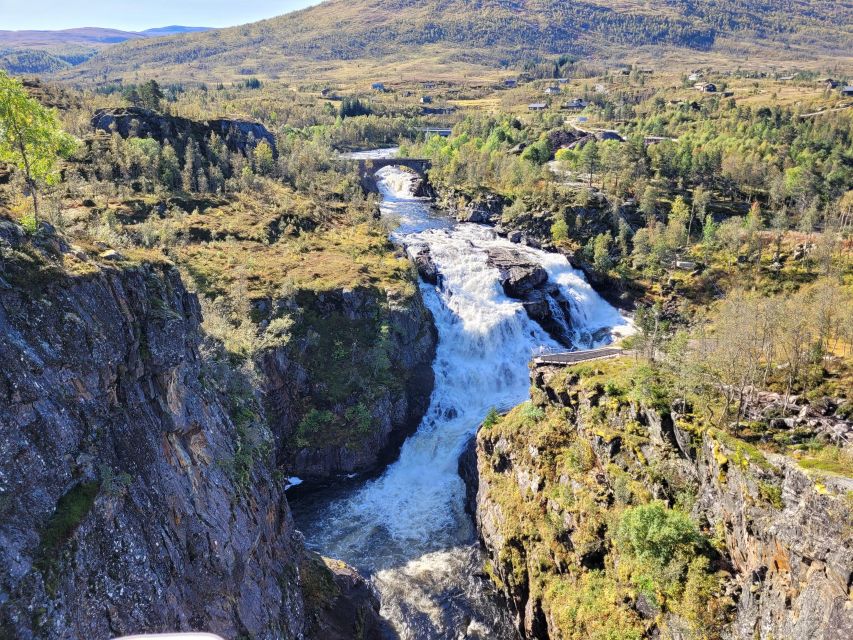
[(136, 16)]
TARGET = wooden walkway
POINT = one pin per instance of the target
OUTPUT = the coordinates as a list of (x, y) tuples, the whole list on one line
[(576, 357)]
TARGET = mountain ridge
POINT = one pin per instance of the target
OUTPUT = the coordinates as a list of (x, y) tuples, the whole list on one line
[(493, 33)]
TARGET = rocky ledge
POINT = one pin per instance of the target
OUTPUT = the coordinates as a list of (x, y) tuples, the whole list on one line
[(352, 383), (574, 491)]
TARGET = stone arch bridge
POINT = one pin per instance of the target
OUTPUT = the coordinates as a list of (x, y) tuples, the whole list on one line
[(367, 169)]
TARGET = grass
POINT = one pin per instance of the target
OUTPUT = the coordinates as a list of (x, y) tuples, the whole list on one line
[(827, 459)]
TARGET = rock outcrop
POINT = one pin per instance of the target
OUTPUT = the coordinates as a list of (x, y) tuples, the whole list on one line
[(239, 135), (527, 281), (137, 485), (554, 477), (425, 265), (353, 382)]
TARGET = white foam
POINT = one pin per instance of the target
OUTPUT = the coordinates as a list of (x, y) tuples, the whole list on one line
[(400, 520)]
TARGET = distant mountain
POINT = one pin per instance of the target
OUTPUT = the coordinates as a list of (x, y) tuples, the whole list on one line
[(86, 37), (172, 30), (32, 52), (491, 33)]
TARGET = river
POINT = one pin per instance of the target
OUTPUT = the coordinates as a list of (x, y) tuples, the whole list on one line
[(407, 528)]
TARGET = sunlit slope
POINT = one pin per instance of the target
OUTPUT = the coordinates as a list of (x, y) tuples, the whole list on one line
[(488, 33)]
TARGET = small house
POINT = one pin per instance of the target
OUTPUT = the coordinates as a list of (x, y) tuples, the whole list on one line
[(537, 106), (706, 87), (378, 86), (510, 83), (847, 92), (552, 91), (578, 104), (426, 99)]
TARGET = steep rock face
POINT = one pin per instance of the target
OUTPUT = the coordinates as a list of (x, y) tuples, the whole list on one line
[(136, 484), (239, 135), (550, 487), (352, 384)]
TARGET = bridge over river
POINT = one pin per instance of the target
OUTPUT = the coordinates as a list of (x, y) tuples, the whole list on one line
[(368, 168)]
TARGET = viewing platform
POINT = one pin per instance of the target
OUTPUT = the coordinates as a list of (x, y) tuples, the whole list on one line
[(567, 358)]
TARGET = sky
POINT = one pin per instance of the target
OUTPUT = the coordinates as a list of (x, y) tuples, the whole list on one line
[(140, 15)]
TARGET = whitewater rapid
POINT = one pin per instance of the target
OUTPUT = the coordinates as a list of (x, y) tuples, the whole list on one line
[(407, 529)]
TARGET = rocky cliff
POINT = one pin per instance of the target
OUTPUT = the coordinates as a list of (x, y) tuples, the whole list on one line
[(238, 135), (137, 487), (608, 515), (353, 381)]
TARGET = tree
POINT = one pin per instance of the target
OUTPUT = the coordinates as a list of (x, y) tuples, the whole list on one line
[(677, 224), (30, 137), (560, 230), (590, 159), (701, 200), (150, 95), (264, 160), (601, 251), (649, 202)]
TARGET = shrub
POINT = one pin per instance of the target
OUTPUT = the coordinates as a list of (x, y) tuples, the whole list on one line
[(492, 418), (531, 412)]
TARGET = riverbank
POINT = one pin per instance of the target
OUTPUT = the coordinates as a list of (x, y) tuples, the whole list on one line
[(407, 528)]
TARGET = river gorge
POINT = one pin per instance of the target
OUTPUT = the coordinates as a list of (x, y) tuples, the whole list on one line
[(407, 529)]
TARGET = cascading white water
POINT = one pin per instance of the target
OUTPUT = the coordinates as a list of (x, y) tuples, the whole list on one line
[(407, 528)]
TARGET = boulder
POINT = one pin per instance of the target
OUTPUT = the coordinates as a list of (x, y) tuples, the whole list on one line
[(543, 301), (426, 267), (518, 276)]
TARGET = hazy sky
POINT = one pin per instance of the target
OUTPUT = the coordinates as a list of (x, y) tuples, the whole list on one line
[(136, 16)]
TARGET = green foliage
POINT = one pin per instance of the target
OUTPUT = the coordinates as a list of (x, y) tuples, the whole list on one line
[(353, 107), (492, 418), (560, 230), (771, 493), (531, 412), (30, 136), (655, 533)]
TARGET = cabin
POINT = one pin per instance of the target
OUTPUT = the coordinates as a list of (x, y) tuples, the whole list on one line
[(552, 91), (378, 86), (426, 99), (537, 106), (705, 87), (847, 92), (578, 104)]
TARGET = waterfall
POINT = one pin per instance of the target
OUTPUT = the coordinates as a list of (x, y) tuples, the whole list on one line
[(407, 528)]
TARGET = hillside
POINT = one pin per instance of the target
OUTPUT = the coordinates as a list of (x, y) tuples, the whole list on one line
[(491, 33), (25, 52)]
